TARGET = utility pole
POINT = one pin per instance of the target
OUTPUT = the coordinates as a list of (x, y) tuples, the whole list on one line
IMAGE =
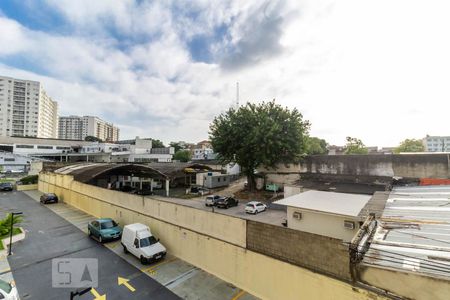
[(11, 230)]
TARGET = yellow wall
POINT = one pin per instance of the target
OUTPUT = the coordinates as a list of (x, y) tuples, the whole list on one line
[(212, 242), (26, 187), (322, 224)]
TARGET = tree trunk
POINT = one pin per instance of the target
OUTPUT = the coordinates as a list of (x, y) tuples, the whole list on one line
[(251, 182)]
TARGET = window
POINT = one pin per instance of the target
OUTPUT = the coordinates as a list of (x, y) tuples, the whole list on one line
[(25, 146), (10, 159), (45, 147)]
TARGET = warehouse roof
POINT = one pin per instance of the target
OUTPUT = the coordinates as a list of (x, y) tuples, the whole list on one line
[(328, 202), (85, 172), (413, 233)]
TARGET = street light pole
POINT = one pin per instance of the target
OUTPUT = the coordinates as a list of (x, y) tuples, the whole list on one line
[(11, 230)]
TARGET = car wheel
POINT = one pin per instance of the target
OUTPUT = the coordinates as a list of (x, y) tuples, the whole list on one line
[(143, 260), (125, 249), (100, 239)]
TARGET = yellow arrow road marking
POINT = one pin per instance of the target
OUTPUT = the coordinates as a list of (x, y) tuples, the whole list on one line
[(97, 295), (124, 281)]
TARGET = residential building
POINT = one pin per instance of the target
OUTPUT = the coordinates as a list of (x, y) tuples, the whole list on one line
[(26, 109), (436, 143), (30, 146), (78, 128)]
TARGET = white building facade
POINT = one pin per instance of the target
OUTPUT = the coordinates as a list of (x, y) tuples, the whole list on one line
[(437, 143), (78, 128), (26, 109)]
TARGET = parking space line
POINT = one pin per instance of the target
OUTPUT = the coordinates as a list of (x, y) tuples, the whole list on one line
[(238, 295), (152, 268)]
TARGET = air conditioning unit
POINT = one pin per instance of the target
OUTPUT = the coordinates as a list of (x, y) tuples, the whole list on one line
[(297, 215), (349, 224)]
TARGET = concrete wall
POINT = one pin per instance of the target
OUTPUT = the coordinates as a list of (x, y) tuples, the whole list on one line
[(324, 254), (407, 284), (292, 190), (322, 224), (404, 165), (214, 242)]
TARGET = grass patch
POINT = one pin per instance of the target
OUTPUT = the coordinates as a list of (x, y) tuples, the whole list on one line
[(12, 180), (15, 231)]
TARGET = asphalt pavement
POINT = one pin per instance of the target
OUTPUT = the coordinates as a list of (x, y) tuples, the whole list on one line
[(49, 236)]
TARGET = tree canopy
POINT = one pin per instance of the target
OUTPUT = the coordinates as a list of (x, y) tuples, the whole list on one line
[(182, 155), (315, 146), (355, 146), (176, 145), (157, 144), (410, 145), (259, 135), (91, 138)]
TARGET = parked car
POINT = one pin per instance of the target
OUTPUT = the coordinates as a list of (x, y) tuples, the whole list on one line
[(6, 186), (128, 189), (104, 229), (254, 207), (227, 202), (49, 198), (212, 200), (138, 240), (8, 291), (199, 190)]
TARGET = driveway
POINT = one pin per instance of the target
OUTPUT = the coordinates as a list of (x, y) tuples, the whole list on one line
[(49, 236)]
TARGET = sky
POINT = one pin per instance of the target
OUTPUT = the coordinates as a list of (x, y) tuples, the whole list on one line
[(375, 70)]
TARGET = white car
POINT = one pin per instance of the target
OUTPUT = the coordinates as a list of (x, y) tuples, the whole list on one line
[(138, 240), (8, 291), (254, 207)]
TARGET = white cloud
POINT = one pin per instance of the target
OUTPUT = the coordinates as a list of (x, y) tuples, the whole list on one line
[(375, 70)]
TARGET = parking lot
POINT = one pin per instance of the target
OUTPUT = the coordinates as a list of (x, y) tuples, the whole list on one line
[(174, 277)]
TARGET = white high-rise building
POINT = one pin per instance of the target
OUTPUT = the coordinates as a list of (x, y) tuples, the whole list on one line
[(436, 143), (26, 109), (78, 128)]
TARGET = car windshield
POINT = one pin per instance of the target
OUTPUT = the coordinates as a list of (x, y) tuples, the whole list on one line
[(108, 224), (4, 286), (145, 242), (250, 205)]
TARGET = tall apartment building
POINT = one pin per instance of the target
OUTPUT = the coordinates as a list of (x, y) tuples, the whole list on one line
[(78, 128), (437, 143), (26, 109)]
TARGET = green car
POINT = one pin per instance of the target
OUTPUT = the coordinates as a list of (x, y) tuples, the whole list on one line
[(104, 229)]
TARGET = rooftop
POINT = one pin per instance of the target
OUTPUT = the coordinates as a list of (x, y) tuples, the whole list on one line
[(413, 233), (328, 202)]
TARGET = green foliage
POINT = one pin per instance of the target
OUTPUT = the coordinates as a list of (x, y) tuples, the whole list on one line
[(355, 146), (315, 146), (31, 179), (5, 224), (157, 144), (410, 145), (259, 134), (176, 146), (182, 155), (91, 138)]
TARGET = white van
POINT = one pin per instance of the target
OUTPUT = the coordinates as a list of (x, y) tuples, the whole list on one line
[(139, 241)]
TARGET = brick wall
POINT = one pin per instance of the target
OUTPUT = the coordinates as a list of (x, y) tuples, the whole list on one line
[(318, 253)]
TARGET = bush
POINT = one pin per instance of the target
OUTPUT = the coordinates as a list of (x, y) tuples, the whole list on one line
[(32, 179)]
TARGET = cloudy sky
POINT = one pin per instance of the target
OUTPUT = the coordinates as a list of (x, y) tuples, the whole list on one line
[(377, 70)]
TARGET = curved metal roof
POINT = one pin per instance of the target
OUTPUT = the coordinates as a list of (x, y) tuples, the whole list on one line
[(88, 171)]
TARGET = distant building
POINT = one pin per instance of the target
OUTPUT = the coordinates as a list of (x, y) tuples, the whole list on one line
[(78, 128), (436, 143), (26, 109), (203, 150), (336, 150)]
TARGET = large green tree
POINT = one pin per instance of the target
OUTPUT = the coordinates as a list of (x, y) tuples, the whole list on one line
[(259, 135), (157, 144), (410, 145), (315, 146), (176, 145), (91, 138), (182, 155), (355, 146)]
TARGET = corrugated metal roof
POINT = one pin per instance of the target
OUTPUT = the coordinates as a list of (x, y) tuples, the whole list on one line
[(413, 233)]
